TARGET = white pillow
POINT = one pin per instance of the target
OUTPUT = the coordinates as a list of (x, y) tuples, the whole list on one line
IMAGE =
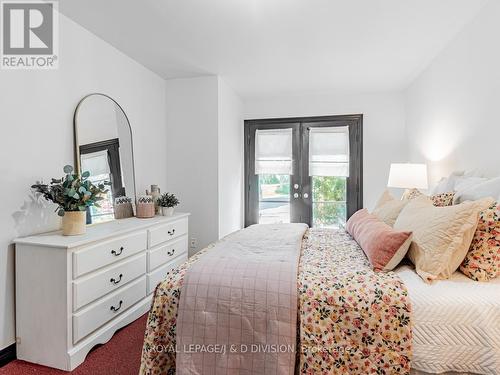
[(457, 178), (467, 182), (447, 184), (489, 188)]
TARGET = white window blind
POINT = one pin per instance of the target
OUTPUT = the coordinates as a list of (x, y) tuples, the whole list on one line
[(96, 163), (329, 151), (273, 151)]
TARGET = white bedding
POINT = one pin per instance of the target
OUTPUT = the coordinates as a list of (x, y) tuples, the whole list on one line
[(456, 324)]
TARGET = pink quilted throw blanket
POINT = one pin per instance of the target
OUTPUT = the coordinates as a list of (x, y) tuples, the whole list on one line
[(238, 306)]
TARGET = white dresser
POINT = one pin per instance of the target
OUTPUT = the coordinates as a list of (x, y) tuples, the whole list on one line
[(75, 292)]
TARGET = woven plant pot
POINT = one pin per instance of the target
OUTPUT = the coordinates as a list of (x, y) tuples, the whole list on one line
[(74, 223)]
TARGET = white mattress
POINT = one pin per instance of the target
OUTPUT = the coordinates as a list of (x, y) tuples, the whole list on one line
[(456, 324)]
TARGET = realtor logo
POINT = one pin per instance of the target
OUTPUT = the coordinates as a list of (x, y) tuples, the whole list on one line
[(29, 35)]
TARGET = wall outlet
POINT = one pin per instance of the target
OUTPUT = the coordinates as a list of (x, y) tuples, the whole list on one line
[(192, 243)]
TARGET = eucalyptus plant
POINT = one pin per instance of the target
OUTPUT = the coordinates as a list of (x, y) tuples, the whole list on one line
[(167, 200), (73, 192)]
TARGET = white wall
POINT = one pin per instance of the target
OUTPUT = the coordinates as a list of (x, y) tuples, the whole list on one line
[(383, 127), (452, 107), (192, 153), (37, 135), (231, 166), (205, 155)]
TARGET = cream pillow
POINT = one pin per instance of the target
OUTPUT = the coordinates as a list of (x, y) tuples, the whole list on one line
[(388, 208), (441, 235)]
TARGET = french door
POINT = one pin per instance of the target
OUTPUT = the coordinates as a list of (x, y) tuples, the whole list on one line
[(303, 170)]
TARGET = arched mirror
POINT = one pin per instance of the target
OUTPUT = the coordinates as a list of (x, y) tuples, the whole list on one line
[(103, 147)]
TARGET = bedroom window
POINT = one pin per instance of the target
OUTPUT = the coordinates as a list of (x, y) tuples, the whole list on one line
[(303, 170)]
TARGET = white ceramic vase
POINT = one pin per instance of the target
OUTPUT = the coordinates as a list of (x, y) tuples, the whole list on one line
[(167, 211), (74, 223)]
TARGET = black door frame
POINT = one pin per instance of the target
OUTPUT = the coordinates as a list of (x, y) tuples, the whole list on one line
[(112, 146), (354, 181)]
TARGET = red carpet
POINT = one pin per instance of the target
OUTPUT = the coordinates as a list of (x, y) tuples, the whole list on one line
[(119, 356)]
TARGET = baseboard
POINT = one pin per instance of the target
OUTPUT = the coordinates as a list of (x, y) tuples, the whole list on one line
[(7, 354)]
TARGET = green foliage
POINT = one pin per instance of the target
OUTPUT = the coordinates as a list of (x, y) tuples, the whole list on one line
[(329, 188), (269, 179), (167, 200), (329, 195), (72, 192)]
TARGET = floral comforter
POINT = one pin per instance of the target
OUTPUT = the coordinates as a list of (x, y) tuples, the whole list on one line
[(351, 319)]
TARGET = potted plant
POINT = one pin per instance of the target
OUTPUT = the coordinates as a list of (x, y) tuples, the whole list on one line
[(73, 194), (167, 202)]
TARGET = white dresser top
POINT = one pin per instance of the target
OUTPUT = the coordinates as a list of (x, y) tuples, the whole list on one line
[(96, 232)]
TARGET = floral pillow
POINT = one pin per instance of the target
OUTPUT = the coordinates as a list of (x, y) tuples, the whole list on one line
[(412, 194), (438, 200), (482, 262), (443, 199)]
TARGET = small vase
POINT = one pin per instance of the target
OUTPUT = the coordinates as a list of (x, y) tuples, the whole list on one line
[(155, 193), (74, 223), (167, 211)]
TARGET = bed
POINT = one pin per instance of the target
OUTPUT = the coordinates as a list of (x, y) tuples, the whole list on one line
[(456, 323), (362, 322)]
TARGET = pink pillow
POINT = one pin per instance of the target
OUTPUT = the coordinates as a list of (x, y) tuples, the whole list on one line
[(384, 247)]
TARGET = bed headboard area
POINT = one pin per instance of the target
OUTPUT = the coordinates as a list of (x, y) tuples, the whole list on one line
[(468, 185)]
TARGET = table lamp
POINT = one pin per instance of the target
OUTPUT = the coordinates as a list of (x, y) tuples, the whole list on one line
[(408, 176)]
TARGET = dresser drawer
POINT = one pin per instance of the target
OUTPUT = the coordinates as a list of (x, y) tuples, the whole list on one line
[(167, 232), (95, 285), (93, 257), (167, 252), (102, 311), (159, 274)]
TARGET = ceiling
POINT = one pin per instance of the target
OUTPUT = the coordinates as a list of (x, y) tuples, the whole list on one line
[(267, 47)]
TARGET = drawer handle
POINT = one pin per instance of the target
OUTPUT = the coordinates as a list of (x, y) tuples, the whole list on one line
[(171, 232), (115, 253), (117, 280), (115, 309), (171, 252)]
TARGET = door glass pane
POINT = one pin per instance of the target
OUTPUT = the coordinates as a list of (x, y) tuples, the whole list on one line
[(329, 201), (105, 212), (98, 165), (274, 198)]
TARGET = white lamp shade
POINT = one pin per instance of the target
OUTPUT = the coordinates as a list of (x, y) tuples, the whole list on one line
[(408, 176)]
